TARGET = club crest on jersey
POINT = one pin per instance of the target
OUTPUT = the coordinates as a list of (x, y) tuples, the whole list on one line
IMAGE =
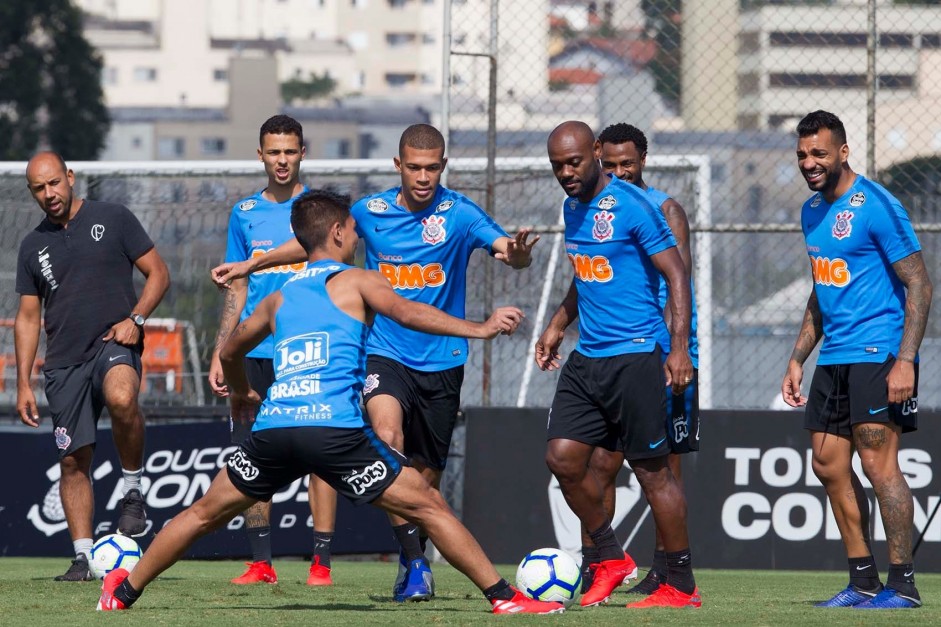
[(377, 205), (842, 227), (816, 201), (603, 231), (447, 204), (247, 205), (372, 382), (857, 199), (573, 203), (607, 202), (433, 231)]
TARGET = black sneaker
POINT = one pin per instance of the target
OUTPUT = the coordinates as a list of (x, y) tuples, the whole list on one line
[(78, 571), (133, 519), (649, 584)]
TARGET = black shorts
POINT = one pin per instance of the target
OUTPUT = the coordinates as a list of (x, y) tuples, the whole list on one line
[(682, 421), (76, 395), (844, 395), (355, 462), (430, 403), (616, 403), (260, 374)]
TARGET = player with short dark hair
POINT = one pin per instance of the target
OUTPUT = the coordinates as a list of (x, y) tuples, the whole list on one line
[(420, 236), (624, 155), (610, 391), (311, 421), (75, 271), (258, 224), (869, 304)]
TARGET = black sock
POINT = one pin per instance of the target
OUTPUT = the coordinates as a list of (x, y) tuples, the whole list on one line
[(659, 564), (322, 540), (607, 543), (126, 594), (499, 591), (901, 578), (260, 540), (409, 540), (422, 540), (589, 556), (680, 571), (863, 574)]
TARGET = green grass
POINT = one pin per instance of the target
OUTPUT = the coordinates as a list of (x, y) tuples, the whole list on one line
[(198, 593)]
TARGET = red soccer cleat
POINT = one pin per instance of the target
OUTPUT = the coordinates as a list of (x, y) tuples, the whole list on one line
[(319, 574), (107, 601), (609, 574), (668, 596), (258, 572), (522, 604)]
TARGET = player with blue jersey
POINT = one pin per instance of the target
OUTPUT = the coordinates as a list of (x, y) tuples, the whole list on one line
[(311, 421), (624, 155), (610, 391), (420, 236), (258, 224), (869, 304)]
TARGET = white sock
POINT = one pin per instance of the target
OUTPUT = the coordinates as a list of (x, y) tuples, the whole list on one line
[(132, 479), (83, 547)]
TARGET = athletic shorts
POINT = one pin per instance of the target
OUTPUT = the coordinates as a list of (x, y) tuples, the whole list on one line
[(76, 394), (430, 403), (355, 462), (682, 421), (844, 395), (260, 374), (616, 403)]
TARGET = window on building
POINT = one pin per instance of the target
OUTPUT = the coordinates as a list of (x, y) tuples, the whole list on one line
[(427, 79), (212, 146), (359, 4), (818, 39), (397, 4), (220, 75), (748, 83), (399, 79), (337, 149), (397, 40), (428, 38), (171, 147), (136, 142), (896, 40), (749, 43), (109, 76), (846, 81), (145, 74), (931, 40)]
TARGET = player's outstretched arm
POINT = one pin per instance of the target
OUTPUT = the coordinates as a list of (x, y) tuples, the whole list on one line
[(156, 284), (678, 223), (289, 252), (382, 299), (547, 346), (810, 333), (516, 252), (678, 368), (26, 329), (913, 274)]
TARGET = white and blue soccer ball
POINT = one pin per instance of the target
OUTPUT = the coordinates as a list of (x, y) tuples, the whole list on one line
[(114, 551), (549, 575)]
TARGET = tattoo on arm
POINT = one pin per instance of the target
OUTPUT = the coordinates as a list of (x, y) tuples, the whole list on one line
[(811, 330), (912, 273), (230, 315)]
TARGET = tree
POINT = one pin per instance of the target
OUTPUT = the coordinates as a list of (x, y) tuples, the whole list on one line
[(50, 82), (315, 87)]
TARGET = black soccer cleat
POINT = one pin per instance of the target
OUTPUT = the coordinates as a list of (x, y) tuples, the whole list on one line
[(133, 519), (649, 584), (78, 571)]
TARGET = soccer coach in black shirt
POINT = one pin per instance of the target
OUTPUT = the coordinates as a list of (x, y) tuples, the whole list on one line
[(78, 265)]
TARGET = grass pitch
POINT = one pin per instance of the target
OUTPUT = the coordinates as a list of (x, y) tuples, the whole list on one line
[(198, 593)]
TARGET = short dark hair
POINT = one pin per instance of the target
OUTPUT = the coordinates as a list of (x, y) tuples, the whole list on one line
[(816, 120), (281, 125), (621, 133), (422, 137), (314, 212)]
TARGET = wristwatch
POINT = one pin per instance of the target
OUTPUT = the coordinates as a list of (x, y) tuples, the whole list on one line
[(138, 319)]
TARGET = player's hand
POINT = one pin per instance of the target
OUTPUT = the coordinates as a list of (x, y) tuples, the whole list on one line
[(225, 273), (503, 320), (26, 406), (519, 250), (547, 349), (216, 378), (901, 381), (678, 370), (125, 332), (791, 386), (244, 407)]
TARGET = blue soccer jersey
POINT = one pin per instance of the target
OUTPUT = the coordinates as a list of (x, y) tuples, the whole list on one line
[(658, 197), (424, 255), (609, 241), (319, 361), (255, 227), (852, 244)]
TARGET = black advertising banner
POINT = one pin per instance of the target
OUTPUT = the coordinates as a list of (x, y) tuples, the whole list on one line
[(753, 499), (180, 462)]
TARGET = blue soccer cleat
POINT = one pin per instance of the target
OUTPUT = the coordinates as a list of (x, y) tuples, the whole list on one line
[(850, 597), (890, 599), (418, 583)]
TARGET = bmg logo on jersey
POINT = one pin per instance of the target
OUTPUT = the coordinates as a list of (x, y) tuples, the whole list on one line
[(373, 473), (302, 352), (833, 272), (409, 276), (588, 268)]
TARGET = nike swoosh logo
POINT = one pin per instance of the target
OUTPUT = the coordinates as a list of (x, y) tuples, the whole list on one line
[(43, 250), (262, 535), (863, 567), (115, 357), (909, 574), (412, 531), (382, 228), (873, 412), (654, 445)]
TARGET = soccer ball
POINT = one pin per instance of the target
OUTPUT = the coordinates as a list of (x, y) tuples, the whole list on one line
[(114, 551), (549, 575)]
